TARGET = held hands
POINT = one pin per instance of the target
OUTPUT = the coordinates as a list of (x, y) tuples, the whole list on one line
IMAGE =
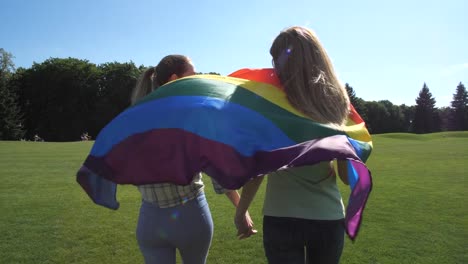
[(242, 220), (244, 225)]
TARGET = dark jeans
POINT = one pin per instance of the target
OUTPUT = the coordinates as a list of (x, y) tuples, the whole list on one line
[(294, 240)]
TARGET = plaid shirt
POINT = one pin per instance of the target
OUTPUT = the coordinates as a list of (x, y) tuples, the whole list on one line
[(169, 195)]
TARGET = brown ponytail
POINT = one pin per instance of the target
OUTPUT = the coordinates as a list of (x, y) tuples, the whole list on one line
[(144, 85), (154, 77)]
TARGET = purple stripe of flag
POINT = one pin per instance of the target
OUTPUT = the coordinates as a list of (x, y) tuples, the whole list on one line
[(175, 155), (358, 198)]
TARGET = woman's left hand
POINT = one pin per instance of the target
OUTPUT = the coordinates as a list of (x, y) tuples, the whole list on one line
[(244, 225)]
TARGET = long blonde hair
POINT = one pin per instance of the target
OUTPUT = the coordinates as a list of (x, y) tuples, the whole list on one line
[(308, 77), (153, 77)]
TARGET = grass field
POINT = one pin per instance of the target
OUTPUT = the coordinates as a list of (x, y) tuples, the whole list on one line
[(417, 212)]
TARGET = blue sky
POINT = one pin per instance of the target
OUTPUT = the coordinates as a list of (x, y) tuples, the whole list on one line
[(385, 50)]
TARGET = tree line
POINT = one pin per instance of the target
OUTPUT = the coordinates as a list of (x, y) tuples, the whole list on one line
[(62, 98), (424, 117)]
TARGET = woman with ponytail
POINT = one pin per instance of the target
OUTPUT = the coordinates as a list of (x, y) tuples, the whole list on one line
[(174, 216)]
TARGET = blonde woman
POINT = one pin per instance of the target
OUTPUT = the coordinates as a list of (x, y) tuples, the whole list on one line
[(303, 209), (174, 216)]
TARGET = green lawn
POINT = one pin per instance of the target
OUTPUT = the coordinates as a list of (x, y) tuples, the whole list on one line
[(417, 212)]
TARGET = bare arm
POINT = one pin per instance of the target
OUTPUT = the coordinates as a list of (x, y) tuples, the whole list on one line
[(343, 171), (243, 225), (233, 196)]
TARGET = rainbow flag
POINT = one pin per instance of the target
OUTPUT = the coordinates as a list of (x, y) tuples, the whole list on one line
[(232, 128)]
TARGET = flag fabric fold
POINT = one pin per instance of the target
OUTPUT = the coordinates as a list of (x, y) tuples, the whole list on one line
[(232, 128)]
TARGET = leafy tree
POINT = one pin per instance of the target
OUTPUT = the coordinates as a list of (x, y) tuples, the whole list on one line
[(408, 113), (116, 82), (11, 127), (395, 122), (384, 117), (425, 116), (444, 114), (58, 97), (459, 109), (213, 73), (6, 63), (437, 120), (377, 114)]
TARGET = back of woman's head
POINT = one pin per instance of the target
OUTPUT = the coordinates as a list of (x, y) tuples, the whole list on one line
[(308, 77), (153, 77)]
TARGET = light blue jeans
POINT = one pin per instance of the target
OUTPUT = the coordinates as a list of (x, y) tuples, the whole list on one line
[(187, 227)]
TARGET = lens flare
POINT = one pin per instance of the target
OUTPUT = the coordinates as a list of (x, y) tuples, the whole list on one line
[(175, 215), (162, 234)]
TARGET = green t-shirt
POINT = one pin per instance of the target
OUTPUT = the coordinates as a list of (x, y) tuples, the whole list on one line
[(307, 192)]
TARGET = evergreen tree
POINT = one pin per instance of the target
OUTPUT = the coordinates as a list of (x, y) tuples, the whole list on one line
[(10, 115), (425, 116), (459, 109), (351, 93), (357, 102)]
